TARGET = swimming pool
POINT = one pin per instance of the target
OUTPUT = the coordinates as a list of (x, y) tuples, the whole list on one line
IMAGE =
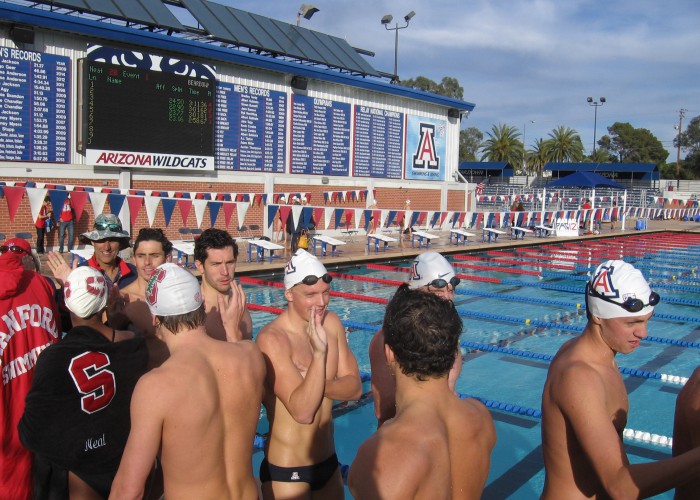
[(519, 306)]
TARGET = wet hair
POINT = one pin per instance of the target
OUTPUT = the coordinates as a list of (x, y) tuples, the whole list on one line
[(187, 321), (213, 238), (423, 331), (154, 234)]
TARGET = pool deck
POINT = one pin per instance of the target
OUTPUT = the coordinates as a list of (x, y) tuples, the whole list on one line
[(357, 250)]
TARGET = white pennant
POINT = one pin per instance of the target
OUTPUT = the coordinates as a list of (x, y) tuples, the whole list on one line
[(199, 207), (36, 198), (358, 216), (151, 203), (327, 214), (97, 200), (241, 210)]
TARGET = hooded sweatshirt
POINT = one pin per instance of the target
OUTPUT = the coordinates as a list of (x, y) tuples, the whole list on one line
[(29, 323)]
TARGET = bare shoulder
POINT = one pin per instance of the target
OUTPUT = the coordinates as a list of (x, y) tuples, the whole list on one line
[(332, 322), (272, 336)]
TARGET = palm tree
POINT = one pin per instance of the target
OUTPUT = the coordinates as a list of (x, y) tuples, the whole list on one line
[(537, 158), (503, 144), (564, 145)]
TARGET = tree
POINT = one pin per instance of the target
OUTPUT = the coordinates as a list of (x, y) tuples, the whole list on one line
[(503, 144), (564, 145), (690, 144), (448, 87), (469, 143), (537, 158), (634, 145)]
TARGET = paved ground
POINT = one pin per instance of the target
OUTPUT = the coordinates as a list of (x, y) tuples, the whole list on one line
[(356, 251)]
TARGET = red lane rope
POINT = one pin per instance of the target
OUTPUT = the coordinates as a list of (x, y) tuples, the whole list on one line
[(496, 268), (521, 263), (367, 278), (258, 307), (382, 267), (363, 298)]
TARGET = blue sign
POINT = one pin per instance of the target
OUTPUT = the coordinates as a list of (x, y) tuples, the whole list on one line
[(378, 143), (34, 106), (425, 149), (251, 131), (320, 136)]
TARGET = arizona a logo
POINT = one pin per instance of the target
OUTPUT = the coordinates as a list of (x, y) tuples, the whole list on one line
[(426, 156)]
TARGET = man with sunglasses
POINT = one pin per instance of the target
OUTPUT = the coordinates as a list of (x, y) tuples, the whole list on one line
[(430, 273), (309, 365), (585, 404), (108, 239), (30, 324)]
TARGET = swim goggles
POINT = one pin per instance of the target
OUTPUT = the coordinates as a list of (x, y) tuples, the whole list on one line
[(311, 280), (103, 226), (631, 304), (441, 283), (12, 248)]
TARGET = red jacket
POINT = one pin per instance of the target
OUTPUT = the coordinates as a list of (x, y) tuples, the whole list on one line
[(29, 323)]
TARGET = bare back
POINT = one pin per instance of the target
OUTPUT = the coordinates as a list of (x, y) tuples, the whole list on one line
[(686, 429), (201, 407), (445, 446), (213, 398)]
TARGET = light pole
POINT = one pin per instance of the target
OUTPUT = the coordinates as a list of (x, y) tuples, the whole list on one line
[(385, 21), (525, 145), (306, 11), (681, 114), (596, 104)]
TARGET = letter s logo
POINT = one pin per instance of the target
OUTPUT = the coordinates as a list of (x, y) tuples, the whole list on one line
[(92, 379)]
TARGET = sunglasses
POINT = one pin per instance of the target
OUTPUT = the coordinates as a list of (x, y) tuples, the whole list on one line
[(441, 283), (103, 226), (630, 305), (311, 280), (13, 248)]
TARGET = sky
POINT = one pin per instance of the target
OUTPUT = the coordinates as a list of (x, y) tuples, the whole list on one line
[(531, 64)]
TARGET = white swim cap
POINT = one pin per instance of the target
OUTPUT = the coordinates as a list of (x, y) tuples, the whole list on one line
[(613, 288), (85, 291), (172, 291), (301, 265), (427, 267)]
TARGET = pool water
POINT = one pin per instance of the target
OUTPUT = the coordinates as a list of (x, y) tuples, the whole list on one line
[(527, 316)]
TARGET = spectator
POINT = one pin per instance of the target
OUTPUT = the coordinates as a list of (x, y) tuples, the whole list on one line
[(23, 294), (66, 223), (108, 239), (42, 224), (76, 419)]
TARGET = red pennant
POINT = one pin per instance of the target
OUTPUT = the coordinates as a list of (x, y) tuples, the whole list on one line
[(228, 212), (185, 206), (78, 200), (135, 204), (13, 195)]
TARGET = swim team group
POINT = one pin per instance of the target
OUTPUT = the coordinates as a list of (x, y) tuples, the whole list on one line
[(156, 386)]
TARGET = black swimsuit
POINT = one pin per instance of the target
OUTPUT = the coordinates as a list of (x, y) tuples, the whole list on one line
[(316, 475)]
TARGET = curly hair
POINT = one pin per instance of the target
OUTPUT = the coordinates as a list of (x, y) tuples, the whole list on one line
[(423, 331), (213, 238), (154, 234)]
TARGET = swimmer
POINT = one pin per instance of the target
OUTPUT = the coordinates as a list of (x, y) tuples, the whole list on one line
[(309, 365), (430, 273), (199, 410), (215, 256), (437, 445), (585, 404)]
